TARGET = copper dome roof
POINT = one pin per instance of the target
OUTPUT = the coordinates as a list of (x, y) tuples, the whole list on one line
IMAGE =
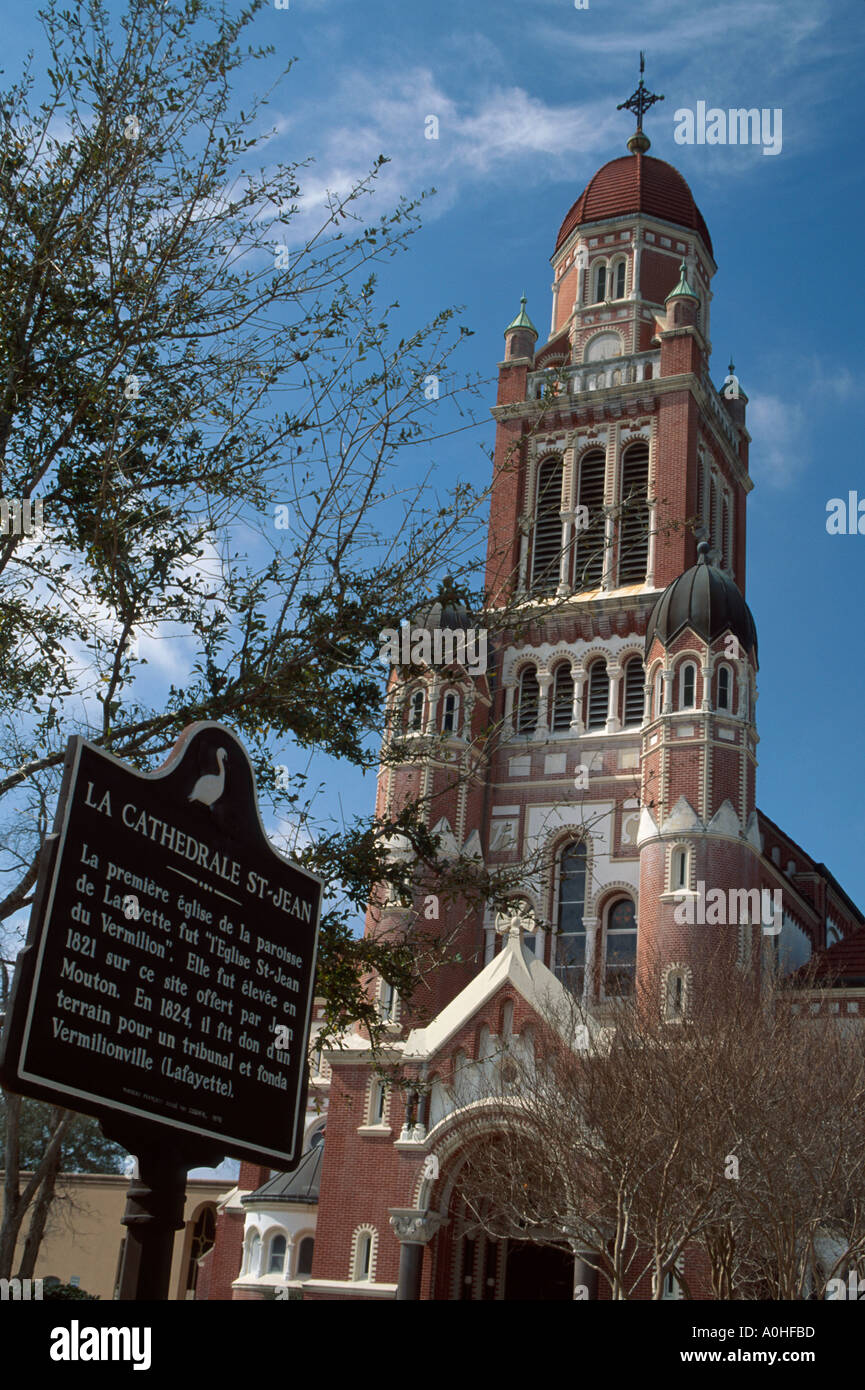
[(637, 183)]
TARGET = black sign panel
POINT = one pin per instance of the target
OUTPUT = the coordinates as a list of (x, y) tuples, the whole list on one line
[(170, 962)]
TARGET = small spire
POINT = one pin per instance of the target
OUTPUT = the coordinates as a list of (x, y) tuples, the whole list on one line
[(732, 367), (522, 319), (639, 103), (683, 288)]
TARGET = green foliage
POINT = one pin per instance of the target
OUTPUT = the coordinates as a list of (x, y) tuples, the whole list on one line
[(85, 1148), (69, 1293), (167, 381)]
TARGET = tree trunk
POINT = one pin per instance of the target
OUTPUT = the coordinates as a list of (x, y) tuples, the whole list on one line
[(15, 1202), (42, 1205), (12, 1216)]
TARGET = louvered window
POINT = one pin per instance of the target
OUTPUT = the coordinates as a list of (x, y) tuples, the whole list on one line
[(529, 696), (620, 280), (704, 502), (634, 693), (547, 547), (726, 539), (589, 548), (634, 529), (600, 283), (599, 696), (563, 697)]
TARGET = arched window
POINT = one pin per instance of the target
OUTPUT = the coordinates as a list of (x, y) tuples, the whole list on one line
[(450, 711), (634, 692), (634, 526), (688, 686), (415, 717), (305, 1252), (276, 1255), (547, 543), (675, 995), (659, 692), (680, 868), (571, 939), (725, 688), (621, 270), (599, 696), (600, 283), (364, 1253), (253, 1253), (589, 547), (563, 697), (621, 949), (527, 705)]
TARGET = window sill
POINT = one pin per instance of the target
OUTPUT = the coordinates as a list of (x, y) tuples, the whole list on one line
[(374, 1129)]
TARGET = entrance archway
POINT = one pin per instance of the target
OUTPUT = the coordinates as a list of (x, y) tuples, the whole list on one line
[(535, 1272)]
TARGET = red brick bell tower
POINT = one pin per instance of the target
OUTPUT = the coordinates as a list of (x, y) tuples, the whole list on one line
[(613, 724)]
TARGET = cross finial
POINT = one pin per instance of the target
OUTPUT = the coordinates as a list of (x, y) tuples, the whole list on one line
[(639, 103)]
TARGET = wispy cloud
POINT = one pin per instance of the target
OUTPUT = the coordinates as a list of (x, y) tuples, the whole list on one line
[(776, 427)]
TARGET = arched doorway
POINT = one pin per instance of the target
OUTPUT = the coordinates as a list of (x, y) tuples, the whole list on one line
[(535, 1272), (477, 1267)]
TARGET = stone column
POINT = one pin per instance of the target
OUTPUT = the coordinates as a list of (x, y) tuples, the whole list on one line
[(544, 682), (579, 675), (609, 552), (613, 722), (591, 925), (668, 691), (508, 720), (650, 557), (434, 692), (413, 1229), (706, 672), (565, 563), (525, 524), (585, 1277)]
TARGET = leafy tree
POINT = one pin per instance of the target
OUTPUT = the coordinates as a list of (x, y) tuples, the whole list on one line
[(84, 1148), (213, 408)]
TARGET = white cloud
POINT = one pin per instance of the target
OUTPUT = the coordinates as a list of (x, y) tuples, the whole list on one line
[(506, 132), (776, 427)]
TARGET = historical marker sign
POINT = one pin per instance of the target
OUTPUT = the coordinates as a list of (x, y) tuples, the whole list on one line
[(168, 974)]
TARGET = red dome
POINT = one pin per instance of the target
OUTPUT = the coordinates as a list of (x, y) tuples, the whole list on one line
[(636, 183)]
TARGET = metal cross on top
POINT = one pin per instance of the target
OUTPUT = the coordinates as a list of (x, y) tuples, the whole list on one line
[(640, 103)]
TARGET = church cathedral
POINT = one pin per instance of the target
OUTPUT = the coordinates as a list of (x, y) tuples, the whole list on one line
[(622, 773)]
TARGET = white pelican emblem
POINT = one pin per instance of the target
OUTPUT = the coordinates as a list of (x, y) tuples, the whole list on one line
[(209, 788)]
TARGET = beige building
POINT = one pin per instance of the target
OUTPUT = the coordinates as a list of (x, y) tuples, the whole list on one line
[(84, 1236)]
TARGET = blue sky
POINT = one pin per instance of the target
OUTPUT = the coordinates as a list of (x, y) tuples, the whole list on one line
[(525, 96), (526, 99)]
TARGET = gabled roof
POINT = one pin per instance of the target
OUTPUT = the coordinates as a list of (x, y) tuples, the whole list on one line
[(512, 966), (841, 964)]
